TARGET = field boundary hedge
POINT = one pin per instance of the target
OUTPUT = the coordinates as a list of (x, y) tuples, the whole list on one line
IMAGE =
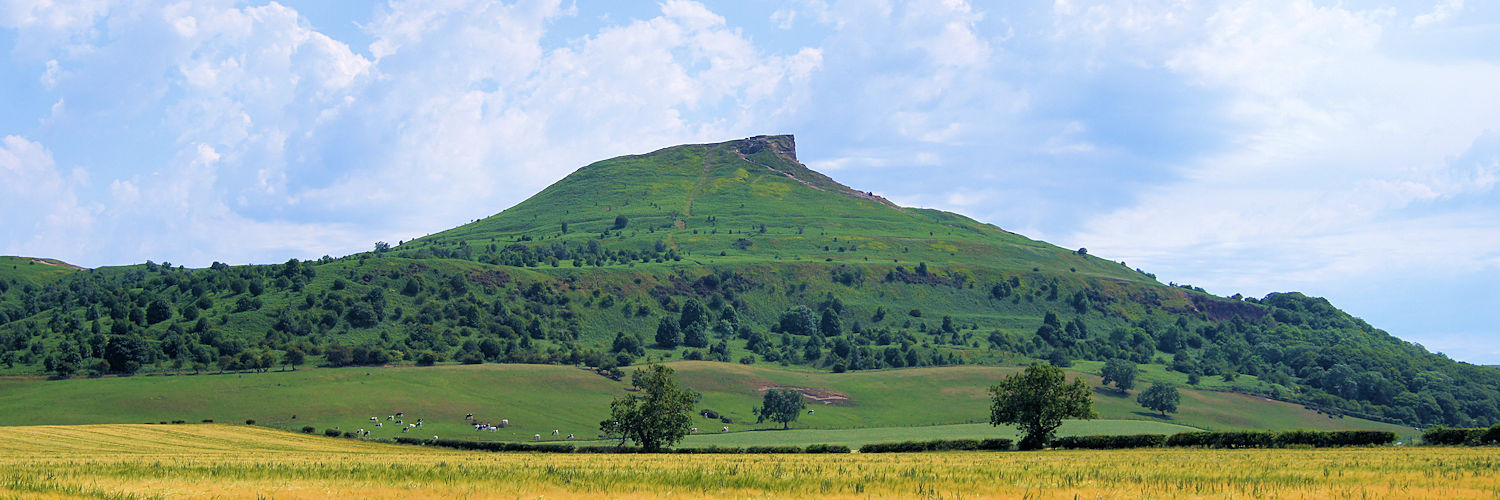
[(502, 446), (1230, 439), (1471, 436), (995, 444)]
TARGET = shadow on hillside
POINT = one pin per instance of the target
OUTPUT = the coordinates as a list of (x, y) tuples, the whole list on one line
[(1153, 415), (1105, 391)]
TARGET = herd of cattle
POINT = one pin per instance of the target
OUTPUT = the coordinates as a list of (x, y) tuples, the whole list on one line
[(398, 419)]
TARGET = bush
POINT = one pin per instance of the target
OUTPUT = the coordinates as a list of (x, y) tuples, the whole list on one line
[(1453, 437), (1109, 442), (1227, 439), (333, 433), (773, 449), (937, 445), (826, 448), (250, 422), (208, 421), (308, 429), (1324, 439), (709, 450), (1491, 436), (996, 444)]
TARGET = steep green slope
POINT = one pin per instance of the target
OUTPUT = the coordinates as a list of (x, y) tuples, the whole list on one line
[(24, 270), (733, 252)]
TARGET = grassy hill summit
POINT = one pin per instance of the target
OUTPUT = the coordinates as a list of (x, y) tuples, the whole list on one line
[(733, 253), (747, 200)]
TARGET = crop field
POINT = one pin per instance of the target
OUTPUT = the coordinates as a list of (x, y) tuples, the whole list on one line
[(228, 461)]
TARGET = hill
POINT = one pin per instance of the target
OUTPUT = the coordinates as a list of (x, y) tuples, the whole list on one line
[(736, 253)]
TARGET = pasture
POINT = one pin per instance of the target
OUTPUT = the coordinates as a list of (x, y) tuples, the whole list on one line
[(231, 461), (916, 403)]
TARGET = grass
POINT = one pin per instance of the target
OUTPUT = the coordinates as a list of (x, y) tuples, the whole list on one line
[(223, 461), (538, 399)]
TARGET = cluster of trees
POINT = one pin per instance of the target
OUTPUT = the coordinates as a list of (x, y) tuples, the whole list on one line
[(375, 308)]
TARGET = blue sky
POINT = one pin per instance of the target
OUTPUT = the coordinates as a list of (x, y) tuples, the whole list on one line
[(1347, 149)]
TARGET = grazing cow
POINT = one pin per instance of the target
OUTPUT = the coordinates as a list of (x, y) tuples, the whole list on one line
[(403, 429), (570, 436), (726, 429), (400, 414), (504, 422), (408, 426), (379, 424), (373, 419), (390, 418), (536, 437), (434, 438), (554, 432), (810, 412), (695, 430), (469, 416)]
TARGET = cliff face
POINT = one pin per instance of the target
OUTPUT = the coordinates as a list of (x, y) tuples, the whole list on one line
[(784, 146)]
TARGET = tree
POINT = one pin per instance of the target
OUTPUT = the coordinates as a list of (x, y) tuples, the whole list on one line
[(1162, 397), (668, 336), (1036, 402), (621, 222), (1119, 372), (126, 353), (294, 357), (780, 405), (382, 247), (799, 320), (830, 325), (657, 415), (694, 335)]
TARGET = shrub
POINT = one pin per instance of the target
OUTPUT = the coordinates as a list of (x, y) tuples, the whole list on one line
[(937, 445), (1491, 436), (308, 429), (331, 433), (1109, 442), (179, 421), (208, 421), (1452, 437), (773, 449), (996, 444), (1227, 439), (826, 448), (1323, 439), (710, 450), (250, 422)]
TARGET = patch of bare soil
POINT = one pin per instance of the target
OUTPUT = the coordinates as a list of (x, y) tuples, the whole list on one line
[(818, 395), (61, 264)]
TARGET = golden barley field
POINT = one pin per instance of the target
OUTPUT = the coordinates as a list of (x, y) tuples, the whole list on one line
[(230, 461)]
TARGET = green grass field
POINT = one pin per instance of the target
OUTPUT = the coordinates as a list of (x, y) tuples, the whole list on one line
[(920, 403)]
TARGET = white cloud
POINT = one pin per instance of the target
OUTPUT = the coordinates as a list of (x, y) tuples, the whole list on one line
[(1342, 165), (41, 207), (1440, 12)]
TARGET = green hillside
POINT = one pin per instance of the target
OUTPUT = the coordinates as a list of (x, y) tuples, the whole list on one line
[(735, 253), (872, 406)]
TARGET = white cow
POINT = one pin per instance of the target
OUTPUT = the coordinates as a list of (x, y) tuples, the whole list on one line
[(554, 432), (695, 430), (726, 429), (537, 437)]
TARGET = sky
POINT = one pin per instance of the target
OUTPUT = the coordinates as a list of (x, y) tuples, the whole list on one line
[(1345, 149)]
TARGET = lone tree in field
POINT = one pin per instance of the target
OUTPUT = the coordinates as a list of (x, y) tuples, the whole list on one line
[(1162, 397), (657, 415), (1119, 372), (780, 405), (1036, 402)]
